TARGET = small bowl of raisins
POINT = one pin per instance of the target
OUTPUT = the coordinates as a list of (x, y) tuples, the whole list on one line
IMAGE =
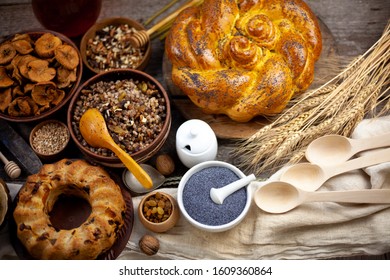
[(158, 211)]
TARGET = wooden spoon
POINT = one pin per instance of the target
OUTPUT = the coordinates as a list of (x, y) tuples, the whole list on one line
[(310, 176), (332, 149), (94, 130), (281, 197)]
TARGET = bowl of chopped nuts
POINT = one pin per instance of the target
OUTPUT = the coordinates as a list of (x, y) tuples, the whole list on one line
[(49, 138), (158, 211), (136, 109), (106, 46), (39, 73)]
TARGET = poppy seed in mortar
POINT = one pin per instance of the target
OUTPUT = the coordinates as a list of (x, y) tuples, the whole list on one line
[(197, 201)]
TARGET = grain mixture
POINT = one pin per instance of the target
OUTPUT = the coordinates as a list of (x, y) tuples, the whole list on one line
[(135, 112)]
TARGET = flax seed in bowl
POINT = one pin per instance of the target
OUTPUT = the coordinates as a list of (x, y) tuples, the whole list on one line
[(135, 107), (49, 138)]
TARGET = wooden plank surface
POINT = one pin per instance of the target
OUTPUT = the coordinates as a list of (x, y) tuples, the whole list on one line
[(354, 24)]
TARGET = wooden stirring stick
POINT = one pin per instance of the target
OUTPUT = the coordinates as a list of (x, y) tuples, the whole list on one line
[(10, 167), (141, 37)]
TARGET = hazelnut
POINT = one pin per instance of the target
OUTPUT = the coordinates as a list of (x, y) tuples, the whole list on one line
[(149, 244), (165, 164)]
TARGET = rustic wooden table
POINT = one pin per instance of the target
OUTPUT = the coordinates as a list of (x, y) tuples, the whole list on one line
[(354, 24)]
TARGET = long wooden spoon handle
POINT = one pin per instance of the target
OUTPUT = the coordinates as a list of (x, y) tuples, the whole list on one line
[(362, 196), (375, 157), (372, 142), (170, 17), (132, 165), (142, 37)]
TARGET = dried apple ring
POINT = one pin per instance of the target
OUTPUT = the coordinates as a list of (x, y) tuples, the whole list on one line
[(46, 45), (22, 107), (67, 56), (23, 62), (39, 71), (65, 77), (5, 99), (43, 93), (7, 53), (17, 91), (58, 96), (5, 80), (22, 46)]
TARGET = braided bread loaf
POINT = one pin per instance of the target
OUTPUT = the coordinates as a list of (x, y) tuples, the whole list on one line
[(77, 178), (244, 58)]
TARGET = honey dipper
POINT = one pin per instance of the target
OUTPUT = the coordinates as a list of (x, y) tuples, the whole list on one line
[(10, 167), (141, 37)]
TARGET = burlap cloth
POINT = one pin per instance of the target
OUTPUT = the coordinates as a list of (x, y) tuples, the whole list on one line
[(311, 231)]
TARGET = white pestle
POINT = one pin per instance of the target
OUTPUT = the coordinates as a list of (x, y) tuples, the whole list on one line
[(218, 195)]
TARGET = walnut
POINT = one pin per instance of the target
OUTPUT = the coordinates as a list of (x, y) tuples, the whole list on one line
[(149, 244), (165, 164)]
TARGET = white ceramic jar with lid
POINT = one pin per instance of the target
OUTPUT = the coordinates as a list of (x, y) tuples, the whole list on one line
[(195, 142)]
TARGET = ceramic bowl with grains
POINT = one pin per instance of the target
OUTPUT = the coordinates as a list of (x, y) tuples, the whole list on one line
[(49, 138), (136, 109), (106, 46), (196, 205)]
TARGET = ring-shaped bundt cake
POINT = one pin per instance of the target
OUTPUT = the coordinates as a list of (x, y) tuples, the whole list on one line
[(77, 178)]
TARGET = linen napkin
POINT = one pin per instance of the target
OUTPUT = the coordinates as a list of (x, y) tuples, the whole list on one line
[(312, 231)]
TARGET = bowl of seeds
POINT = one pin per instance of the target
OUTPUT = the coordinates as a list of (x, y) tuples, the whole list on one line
[(49, 138), (158, 211), (136, 109), (196, 205), (106, 46)]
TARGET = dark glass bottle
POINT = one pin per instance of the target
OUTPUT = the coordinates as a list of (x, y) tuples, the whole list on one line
[(69, 17)]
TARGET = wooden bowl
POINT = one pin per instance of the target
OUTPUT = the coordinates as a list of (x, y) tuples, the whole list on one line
[(160, 226), (50, 137), (5, 203), (69, 91), (91, 33), (113, 75)]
